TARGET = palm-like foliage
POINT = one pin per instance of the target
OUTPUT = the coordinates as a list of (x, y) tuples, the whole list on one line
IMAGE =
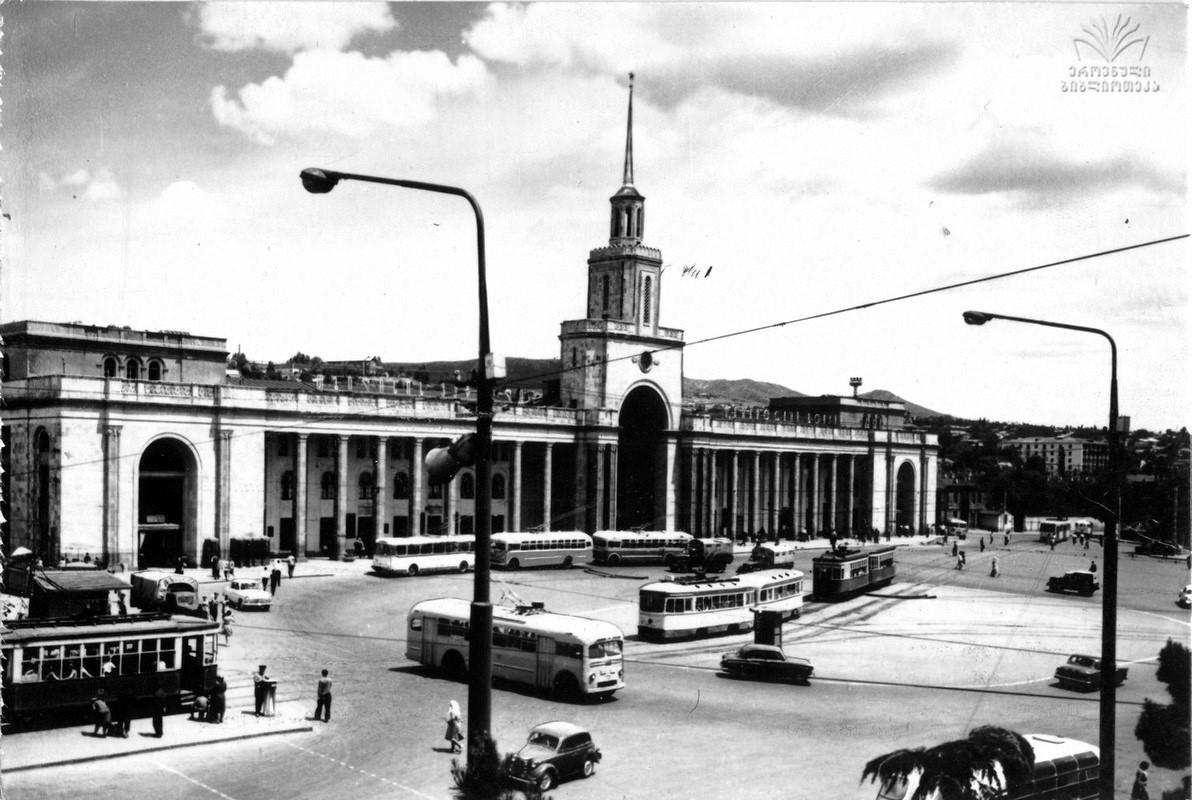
[(964, 769)]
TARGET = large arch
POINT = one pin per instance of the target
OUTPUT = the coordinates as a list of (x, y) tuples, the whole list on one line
[(167, 503), (641, 459), (904, 499)]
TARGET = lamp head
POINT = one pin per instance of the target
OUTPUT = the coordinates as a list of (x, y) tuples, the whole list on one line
[(317, 181), (976, 317)]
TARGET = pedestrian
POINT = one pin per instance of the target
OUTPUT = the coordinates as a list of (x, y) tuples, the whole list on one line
[(1051, 541), (955, 549), (264, 579), (963, 560), (455, 730), (219, 699), (981, 541), (122, 716), (159, 711), (214, 567), (290, 562), (1092, 566), (227, 628), (274, 578), (103, 715), (1139, 790), (213, 608), (260, 685), (180, 566), (959, 563), (200, 709), (832, 540), (1007, 541), (323, 698), (122, 604), (1086, 538), (993, 569)]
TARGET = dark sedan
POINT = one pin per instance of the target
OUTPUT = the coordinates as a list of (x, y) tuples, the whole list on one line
[(766, 661)]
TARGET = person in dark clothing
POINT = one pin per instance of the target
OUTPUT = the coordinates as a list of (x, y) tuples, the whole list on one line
[(1139, 790), (103, 715), (323, 698), (955, 549), (218, 699), (1093, 567), (274, 579), (122, 716), (159, 712)]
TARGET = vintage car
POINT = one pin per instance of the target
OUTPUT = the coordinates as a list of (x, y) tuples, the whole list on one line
[(1157, 548), (1078, 581), (1084, 672), (246, 593), (554, 751), (1185, 597), (766, 661)]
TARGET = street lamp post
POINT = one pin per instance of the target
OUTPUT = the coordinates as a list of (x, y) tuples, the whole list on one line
[(319, 181), (1109, 573)]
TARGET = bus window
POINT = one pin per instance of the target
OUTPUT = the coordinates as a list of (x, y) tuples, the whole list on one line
[(604, 649)]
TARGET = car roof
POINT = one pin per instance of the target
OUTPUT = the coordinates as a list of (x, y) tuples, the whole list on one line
[(558, 728), (772, 647)]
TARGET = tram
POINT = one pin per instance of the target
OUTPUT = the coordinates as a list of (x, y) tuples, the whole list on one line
[(843, 573), (51, 664), (702, 606)]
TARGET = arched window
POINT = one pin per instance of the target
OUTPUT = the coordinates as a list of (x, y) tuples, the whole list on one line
[(155, 370), (111, 367), (287, 485), (647, 300), (467, 486), (132, 369), (498, 486), (366, 487), (327, 486), (401, 486)]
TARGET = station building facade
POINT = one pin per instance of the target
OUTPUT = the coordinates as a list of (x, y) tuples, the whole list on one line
[(136, 446)]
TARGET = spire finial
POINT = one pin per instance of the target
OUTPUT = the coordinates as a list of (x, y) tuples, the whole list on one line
[(628, 177)]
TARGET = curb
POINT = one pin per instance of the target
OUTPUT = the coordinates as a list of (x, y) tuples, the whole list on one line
[(163, 748)]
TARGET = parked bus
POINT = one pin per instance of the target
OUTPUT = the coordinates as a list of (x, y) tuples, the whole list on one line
[(1064, 767), (958, 528), (638, 547), (62, 663), (571, 656), (842, 573), (705, 555), (546, 549), (164, 591), (770, 556), (413, 555), (1057, 529), (701, 606)]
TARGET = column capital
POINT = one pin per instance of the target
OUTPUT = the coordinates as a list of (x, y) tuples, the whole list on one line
[(112, 430)]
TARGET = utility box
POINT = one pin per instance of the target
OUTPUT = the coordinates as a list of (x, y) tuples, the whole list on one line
[(767, 627)]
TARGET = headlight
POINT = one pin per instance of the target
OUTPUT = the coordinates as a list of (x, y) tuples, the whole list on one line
[(591, 678)]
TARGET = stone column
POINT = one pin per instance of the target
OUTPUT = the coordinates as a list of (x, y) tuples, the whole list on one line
[(515, 488), (692, 489), (890, 498), (714, 521), (798, 501), (597, 516), (817, 509), (613, 470), (850, 521), (583, 515), (451, 505), (381, 502), (775, 497), (300, 479), (922, 522), (223, 490), (416, 488), (833, 496), (733, 489), (758, 501), (670, 506), (341, 495), (547, 465), (112, 552)]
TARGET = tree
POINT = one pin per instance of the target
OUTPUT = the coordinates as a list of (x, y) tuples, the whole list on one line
[(1164, 729), (987, 762)]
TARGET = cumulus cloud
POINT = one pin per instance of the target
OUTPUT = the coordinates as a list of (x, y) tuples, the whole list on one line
[(1032, 174), (288, 27), (83, 184), (347, 94)]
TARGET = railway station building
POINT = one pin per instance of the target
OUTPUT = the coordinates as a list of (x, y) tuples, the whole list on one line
[(137, 447)]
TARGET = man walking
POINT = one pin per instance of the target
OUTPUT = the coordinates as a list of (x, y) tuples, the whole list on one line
[(159, 711), (290, 565), (274, 578), (260, 685), (323, 699)]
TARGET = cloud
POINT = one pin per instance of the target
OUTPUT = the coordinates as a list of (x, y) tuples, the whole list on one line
[(1033, 174), (288, 27), (83, 184), (347, 94)]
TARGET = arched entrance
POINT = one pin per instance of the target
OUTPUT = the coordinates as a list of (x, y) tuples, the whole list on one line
[(639, 473), (904, 503), (167, 503)]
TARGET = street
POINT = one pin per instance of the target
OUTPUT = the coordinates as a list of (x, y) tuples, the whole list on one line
[(937, 653)]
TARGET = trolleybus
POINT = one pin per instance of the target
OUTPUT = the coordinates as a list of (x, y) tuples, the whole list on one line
[(842, 573), (700, 606), (770, 556), (705, 555), (1057, 529), (53, 664), (546, 549), (638, 547), (571, 656), (412, 555)]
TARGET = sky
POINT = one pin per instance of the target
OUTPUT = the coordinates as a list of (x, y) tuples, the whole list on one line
[(797, 158)]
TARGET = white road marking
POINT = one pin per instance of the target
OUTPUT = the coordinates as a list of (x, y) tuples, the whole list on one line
[(362, 772), (200, 784)]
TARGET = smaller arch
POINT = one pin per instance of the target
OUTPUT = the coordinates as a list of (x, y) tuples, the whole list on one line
[(467, 486), (154, 370), (111, 367), (498, 486), (132, 369)]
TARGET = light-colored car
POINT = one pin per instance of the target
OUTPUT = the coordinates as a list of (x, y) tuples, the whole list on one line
[(245, 593), (1185, 598)]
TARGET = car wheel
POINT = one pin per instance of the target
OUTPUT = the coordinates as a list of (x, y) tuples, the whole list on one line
[(413, 570), (565, 685), (453, 666), (546, 781), (669, 560), (514, 563), (567, 562), (589, 767), (463, 566), (614, 560)]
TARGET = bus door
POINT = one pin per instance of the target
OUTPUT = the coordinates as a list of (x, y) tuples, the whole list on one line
[(546, 661), (429, 627)]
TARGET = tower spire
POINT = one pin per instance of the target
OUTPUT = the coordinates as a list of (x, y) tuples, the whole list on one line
[(628, 178)]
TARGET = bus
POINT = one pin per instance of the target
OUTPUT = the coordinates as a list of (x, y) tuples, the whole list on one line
[(413, 555), (1054, 529), (638, 547), (705, 555), (700, 606), (570, 656), (842, 573), (52, 664), (1064, 767), (770, 556), (546, 549), (163, 591), (958, 528)]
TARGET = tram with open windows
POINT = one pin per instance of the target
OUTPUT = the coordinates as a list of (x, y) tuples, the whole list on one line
[(703, 606), (843, 573), (51, 664)]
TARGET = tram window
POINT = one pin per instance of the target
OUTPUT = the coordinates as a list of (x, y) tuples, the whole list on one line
[(209, 649), (655, 603), (91, 659), (31, 664)]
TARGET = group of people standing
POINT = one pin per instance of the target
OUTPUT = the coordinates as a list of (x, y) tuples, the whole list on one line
[(115, 716)]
